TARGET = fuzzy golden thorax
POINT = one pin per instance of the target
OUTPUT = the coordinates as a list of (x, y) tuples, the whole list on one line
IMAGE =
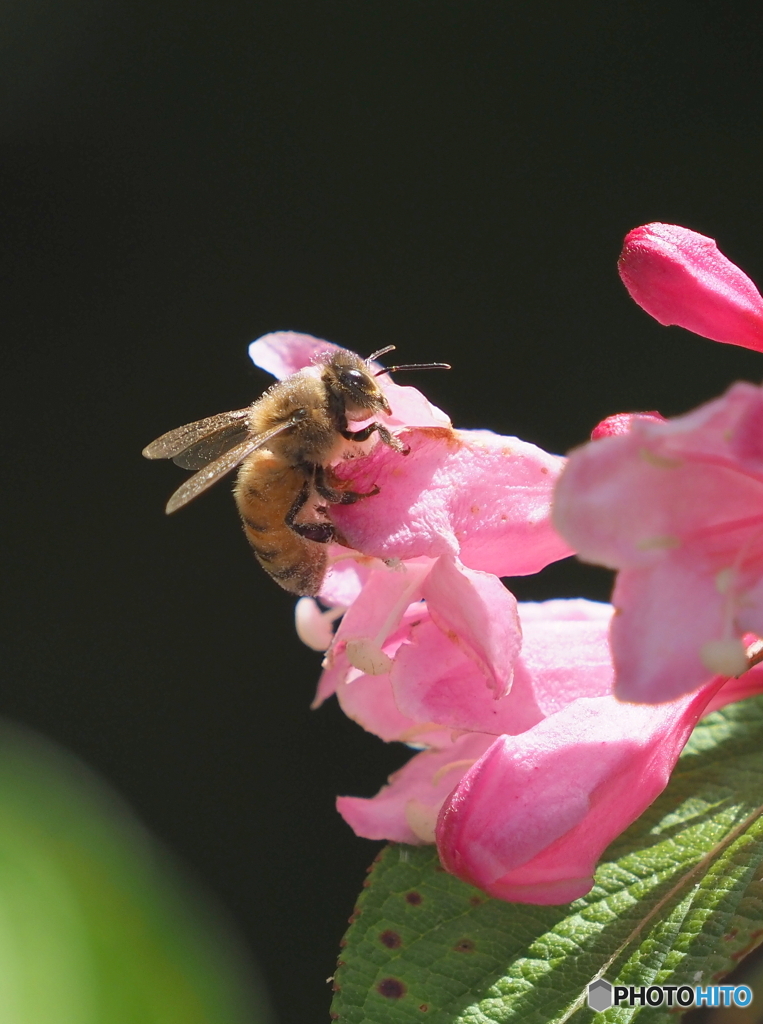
[(319, 409), (303, 400)]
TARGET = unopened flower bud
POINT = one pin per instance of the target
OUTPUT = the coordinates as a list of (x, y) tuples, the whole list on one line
[(679, 277)]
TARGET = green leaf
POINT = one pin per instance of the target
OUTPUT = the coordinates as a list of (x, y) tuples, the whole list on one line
[(678, 900), (96, 925)]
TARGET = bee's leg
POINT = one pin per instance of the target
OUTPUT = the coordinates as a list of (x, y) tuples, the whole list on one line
[(384, 434), (321, 533), (335, 496)]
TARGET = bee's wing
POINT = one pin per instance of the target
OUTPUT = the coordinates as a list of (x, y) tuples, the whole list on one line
[(179, 440), (210, 474), (210, 448)]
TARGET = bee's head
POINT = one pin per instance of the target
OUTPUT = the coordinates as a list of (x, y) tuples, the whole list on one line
[(350, 380)]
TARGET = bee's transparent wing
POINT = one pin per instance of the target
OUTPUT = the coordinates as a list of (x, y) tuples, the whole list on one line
[(210, 474), (178, 441), (200, 481), (210, 448)]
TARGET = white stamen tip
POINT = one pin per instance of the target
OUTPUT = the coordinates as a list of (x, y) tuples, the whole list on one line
[(724, 580), (421, 819), (365, 654), (724, 657)]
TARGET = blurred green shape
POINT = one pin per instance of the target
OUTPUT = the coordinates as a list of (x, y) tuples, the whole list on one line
[(96, 924)]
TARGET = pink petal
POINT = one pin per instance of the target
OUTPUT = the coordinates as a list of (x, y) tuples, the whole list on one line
[(725, 430), (369, 700), (346, 574), (331, 677), (414, 793), (383, 617), (665, 616), (477, 631), (680, 277), (484, 497), (411, 409), (434, 680), (378, 610), (630, 500), (528, 822), (678, 508), (565, 655), (748, 596), (285, 352), (479, 614)]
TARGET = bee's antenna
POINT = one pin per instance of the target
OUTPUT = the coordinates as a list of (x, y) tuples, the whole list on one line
[(414, 366), (381, 352)]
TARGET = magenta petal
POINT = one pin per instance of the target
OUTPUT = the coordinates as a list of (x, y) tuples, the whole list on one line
[(622, 423), (528, 822), (285, 352), (405, 810), (484, 497), (479, 614), (680, 277)]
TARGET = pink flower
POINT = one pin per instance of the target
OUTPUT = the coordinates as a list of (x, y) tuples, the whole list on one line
[(680, 277), (529, 821), (525, 796), (467, 493), (531, 765), (465, 508), (460, 509), (435, 694), (676, 506)]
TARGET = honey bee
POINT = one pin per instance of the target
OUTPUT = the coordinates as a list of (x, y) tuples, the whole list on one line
[(284, 444)]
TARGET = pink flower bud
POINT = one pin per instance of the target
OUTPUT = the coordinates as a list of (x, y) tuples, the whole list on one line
[(680, 277), (622, 423)]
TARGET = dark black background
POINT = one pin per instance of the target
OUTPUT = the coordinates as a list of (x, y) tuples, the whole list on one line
[(180, 178)]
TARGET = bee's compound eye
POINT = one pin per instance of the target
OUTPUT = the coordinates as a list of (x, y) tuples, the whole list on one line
[(354, 376)]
